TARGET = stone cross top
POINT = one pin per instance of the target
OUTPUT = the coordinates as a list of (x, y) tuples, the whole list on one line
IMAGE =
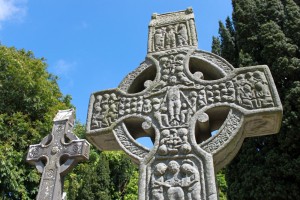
[(178, 96), (57, 154)]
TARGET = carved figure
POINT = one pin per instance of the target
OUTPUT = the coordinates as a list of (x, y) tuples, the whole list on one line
[(111, 114), (191, 181), (170, 38), (202, 98), (165, 136), (159, 39), (209, 94), (97, 116), (185, 147), (262, 93), (174, 142), (105, 111), (182, 35), (158, 181), (230, 91), (173, 99), (183, 78), (198, 75), (184, 113), (148, 83), (178, 62), (244, 92), (174, 192), (147, 106), (161, 118)]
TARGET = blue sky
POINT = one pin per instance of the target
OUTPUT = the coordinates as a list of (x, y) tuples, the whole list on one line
[(92, 45)]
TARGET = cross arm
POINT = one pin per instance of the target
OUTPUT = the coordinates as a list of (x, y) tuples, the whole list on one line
[(37, 152), (77, 148), (106, 110), (251, 90), (256, 110)]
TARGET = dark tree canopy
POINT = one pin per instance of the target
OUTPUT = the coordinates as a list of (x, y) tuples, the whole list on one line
[(267, 32)]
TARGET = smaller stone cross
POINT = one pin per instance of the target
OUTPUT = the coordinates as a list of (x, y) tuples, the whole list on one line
[(57, 154)]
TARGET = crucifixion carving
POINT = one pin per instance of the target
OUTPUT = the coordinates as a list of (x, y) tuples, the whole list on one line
[(179, 96), (57, 154)]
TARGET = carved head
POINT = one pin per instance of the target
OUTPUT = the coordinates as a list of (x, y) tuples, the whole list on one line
[(160, 169), (165, 77), (187, 168), (158, 31), (181, 26), (182, 132), (173, 80), (173, 166), (257, 76), (113, 96), (179, 59), (193, 94), (198, 75), (156, 103), (99, 98), (169, 28), (165, 133)]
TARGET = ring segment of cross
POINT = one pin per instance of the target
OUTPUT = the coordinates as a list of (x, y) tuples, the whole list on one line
[(57, 154), (177, 97)]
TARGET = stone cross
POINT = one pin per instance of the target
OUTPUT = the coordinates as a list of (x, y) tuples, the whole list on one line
[(180, 97), (57, 154)]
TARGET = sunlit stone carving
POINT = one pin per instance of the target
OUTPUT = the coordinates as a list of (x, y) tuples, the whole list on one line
[(177, 97)]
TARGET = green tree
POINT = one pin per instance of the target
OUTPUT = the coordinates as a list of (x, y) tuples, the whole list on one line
[(106, 176), (30, 97), (131, 190), (222, 185), (227, 39), (121, 171), (267, 32), (216, 46), (89, 180)]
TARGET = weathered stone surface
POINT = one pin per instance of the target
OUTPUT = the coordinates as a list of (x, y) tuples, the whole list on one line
[(177, 97), (57, 154)]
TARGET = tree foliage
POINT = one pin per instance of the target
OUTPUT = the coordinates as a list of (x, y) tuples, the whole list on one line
[(267, 32), (106, 175), (222, 185), (30, 97)]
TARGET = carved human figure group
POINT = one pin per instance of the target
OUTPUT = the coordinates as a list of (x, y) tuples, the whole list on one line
[(174, 181), (171, 36)]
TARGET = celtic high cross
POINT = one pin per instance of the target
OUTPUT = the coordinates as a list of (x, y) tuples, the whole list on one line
[(57, 154), (178, 96)]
